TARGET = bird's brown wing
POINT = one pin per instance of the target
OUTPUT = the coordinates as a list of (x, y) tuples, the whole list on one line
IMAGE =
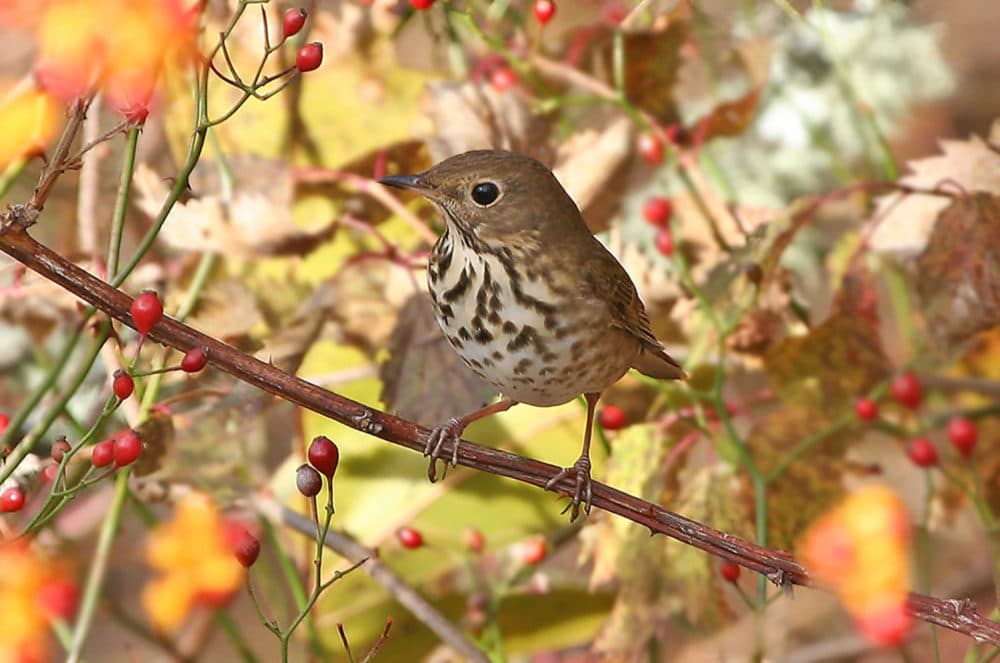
[(608, 281)]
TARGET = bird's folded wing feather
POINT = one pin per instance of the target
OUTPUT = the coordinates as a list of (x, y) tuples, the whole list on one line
[(608, 281)]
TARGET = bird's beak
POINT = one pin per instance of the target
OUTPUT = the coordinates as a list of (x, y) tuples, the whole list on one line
[(411, 182)]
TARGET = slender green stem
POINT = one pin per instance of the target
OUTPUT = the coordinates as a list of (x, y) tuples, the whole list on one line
[(198, 281), (121, 202), (98, 568), (806, 445), (26, 445), (180, 185)]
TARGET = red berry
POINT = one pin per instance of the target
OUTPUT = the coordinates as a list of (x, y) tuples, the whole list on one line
[(612, 418), (147, 310), (922, 452), (103, 453), (730, 571), (658, 211), (906, 389), (474, 540), (244, 545), (293, 21), (421, 5), (127, 448), (59, 447), (194, 360), (533, 550), (11, 500), (309, 57), (409, 537), (123, 384), (664, 241), (324, 455), (963, 435), (650, 149), (58, 599), (866, 409), (544, 10), (4, 422), (308, 481), (503, 79)]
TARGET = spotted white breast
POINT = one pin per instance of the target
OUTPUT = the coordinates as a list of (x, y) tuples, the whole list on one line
[(514, 329)]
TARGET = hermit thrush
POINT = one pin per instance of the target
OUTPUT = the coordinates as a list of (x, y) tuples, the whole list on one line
[(527, 297)]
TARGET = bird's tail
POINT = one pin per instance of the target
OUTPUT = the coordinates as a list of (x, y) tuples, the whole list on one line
[(658, 364)]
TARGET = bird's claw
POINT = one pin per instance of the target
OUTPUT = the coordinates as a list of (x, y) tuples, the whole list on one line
[(583, 491), (435, 445)]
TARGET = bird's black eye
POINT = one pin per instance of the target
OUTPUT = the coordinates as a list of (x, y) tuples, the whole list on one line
[(485, 193)]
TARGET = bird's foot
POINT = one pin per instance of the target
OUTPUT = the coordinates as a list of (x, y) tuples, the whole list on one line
[(436, 441), (582, 495)]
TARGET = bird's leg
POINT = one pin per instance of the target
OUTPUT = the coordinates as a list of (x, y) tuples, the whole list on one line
[(583, 493), (452, 430)]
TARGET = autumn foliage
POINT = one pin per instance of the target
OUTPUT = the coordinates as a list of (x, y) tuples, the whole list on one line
[(806, 196)]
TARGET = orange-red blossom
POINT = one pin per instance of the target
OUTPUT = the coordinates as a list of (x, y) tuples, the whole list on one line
[(118, 47), (860, 550), (35, 589)]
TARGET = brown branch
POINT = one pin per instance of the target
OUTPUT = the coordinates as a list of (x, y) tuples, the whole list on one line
[(777, 566)]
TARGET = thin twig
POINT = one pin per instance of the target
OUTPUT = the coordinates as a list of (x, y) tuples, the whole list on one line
[(779, 567), (347, 547)]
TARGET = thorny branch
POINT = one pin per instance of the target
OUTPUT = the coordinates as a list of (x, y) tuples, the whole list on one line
[(956, 614)]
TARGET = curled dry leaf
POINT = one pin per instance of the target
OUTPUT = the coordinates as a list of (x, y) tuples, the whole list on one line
[(424, 379), (256, 221), (471, 116), (589, 163), (958, 274), (157, 435), (229, 310), (904, 223)]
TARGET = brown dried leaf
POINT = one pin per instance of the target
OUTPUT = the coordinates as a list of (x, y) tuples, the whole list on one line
[(807, 487), (157, 434), (827, 368), (652, 60), (958, 274), (589, 162), (228, 310), (473, 116), (424, 380), (256, 221), (730, 118), (905, 222)]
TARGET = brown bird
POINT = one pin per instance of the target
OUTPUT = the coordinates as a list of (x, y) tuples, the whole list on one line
[(528, 297)]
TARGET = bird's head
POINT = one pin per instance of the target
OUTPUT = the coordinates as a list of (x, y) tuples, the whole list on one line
[(495, 195)]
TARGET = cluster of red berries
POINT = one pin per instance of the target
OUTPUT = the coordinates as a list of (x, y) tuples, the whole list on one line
[(122, 449), (147, 311), (324, 457), (658, 211), (907, 390), (309, 56)]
